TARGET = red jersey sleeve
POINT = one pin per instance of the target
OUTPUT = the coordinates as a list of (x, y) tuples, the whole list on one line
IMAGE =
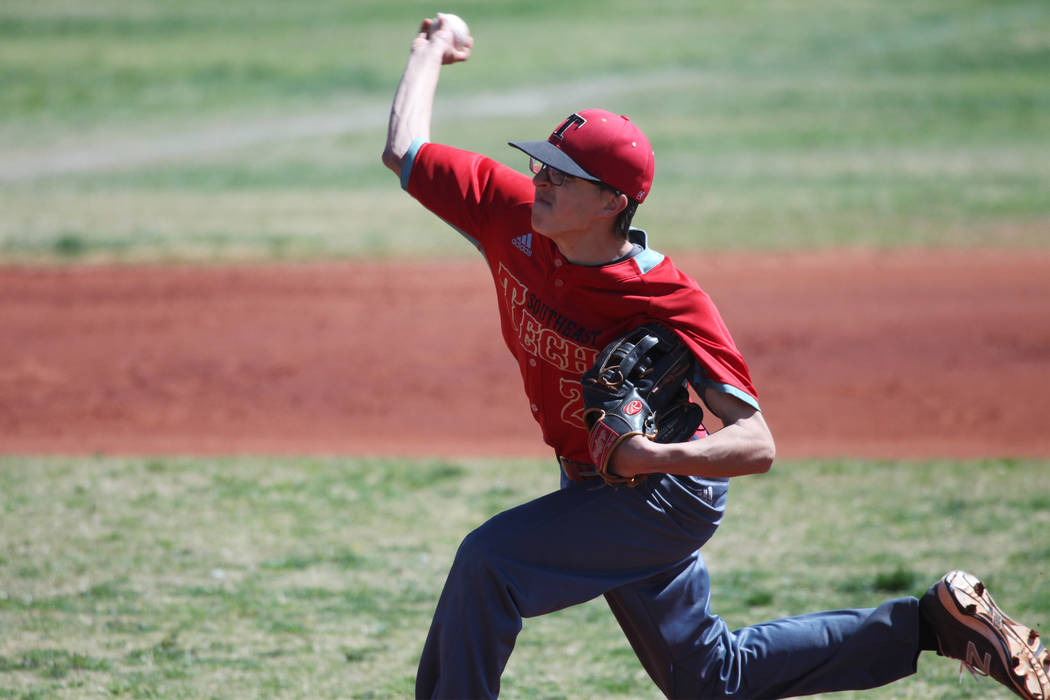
[(476, 195), (692, 314)]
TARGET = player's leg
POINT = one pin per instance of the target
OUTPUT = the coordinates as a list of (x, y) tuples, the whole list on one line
[(559, 550), (690, 652)]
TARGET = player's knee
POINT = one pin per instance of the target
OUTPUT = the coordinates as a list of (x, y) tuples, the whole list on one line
[(477, 549)]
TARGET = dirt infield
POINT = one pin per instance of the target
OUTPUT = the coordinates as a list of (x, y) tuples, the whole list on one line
[(860, 354)]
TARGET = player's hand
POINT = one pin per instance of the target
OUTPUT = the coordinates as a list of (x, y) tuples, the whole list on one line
[(433, 32)]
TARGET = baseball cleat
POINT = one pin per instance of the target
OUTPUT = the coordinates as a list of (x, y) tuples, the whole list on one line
[(972, 628)]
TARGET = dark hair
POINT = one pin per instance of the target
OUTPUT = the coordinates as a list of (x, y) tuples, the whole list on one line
[(622, 225), (623, 219)]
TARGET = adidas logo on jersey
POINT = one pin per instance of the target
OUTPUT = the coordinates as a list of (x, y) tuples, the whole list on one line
[(524, 244)]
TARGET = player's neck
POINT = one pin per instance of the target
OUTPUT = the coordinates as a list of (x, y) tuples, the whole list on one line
[(594, 247)]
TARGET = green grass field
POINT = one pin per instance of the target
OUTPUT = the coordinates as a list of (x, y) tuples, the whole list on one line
[(253, 130), (203, 131), (305, 578)]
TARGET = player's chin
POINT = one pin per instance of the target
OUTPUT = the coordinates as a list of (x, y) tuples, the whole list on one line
[(539, 221)]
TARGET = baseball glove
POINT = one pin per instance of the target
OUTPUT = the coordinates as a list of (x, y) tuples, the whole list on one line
[(637, 387)]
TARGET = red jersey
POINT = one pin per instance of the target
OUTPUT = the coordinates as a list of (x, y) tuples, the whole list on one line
[(556, 316)]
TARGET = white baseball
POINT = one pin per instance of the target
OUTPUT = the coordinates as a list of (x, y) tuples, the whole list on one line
[(459, 28)]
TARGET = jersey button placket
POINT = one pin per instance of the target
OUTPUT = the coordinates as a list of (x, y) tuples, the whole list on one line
[(557, 273)]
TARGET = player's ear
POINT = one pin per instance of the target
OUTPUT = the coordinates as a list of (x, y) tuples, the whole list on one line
[(614, 203)]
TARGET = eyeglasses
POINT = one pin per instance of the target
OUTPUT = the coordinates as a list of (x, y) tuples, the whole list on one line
[(557, 177)]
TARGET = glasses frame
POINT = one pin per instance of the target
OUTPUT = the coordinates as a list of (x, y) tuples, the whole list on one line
[(555, 176), (560, 177)]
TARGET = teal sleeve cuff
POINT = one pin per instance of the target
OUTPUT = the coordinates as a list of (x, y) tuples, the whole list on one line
[(733, 391), (700, 380), (409, 160)]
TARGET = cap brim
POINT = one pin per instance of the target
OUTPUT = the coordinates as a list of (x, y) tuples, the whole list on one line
[(549, 154)]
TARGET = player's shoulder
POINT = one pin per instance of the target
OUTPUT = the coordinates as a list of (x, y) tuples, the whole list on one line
[(654, 267)]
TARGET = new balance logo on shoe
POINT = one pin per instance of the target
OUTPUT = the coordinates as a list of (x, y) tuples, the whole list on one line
[(975, 663), (524, 244)]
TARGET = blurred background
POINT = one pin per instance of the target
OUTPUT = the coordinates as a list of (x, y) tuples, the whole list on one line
[(196, 130), (201, 132)]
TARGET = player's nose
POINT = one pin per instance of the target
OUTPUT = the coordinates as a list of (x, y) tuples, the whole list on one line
[(542, 178)]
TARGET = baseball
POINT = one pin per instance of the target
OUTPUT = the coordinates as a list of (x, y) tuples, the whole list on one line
[(459, 28)]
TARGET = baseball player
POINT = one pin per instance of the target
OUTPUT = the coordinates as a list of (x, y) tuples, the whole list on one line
[(633, 512)]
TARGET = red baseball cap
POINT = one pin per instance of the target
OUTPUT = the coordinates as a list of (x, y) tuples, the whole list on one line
[(599, 146)]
